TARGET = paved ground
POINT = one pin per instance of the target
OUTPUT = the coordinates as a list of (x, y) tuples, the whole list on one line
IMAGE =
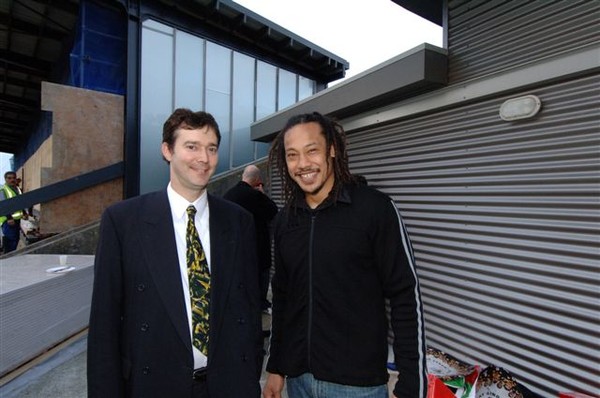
[(61, 373), (59, 377)]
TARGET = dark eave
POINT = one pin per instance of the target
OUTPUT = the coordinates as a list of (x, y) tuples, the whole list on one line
[(412, 73), (34, 35), (431, 10)]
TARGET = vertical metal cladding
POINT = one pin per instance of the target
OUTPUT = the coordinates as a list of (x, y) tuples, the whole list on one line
[(487, 36), (504, 218)]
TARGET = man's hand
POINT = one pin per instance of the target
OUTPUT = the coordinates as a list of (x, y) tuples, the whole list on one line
[(273, 386)]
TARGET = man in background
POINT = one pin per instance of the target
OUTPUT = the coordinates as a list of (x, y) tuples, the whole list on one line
[(11, 223), (249, 193)]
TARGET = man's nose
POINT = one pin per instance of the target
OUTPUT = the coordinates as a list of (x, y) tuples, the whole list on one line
[(302, 160), (202, 155)]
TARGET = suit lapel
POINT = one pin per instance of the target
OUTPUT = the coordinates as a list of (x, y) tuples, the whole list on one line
[(222, 248), (160, 249)]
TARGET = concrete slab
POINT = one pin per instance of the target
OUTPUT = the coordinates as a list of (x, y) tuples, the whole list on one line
[(42, 303)]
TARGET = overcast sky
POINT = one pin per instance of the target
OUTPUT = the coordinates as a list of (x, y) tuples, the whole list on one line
[(363, 32)]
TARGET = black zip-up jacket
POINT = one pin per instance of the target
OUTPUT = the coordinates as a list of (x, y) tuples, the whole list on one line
[(334, 268)]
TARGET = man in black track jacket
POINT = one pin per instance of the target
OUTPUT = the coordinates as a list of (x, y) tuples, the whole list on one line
[(341, 249)]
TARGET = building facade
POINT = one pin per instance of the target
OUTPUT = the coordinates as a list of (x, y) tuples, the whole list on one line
[(179, 69), (147, 57), (489, 147)]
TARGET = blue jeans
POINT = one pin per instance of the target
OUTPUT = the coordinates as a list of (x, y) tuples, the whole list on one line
[(11, 233), (306, 386)]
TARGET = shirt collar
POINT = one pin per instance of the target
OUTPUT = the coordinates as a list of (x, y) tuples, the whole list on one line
[(343, 197), (179, 204)]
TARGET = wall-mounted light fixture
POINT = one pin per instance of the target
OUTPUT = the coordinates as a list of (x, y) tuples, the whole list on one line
[(520, 108)]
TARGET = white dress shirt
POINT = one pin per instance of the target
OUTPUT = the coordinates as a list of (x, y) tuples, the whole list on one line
[(179, 207)]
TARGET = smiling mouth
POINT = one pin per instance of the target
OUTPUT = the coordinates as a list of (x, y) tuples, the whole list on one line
[(307, 177), (200, 169)]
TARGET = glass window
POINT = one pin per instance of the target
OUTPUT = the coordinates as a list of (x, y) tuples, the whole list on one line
[(287, 89), (306, 87), (150, 24), (266, 89), (266, 98), (243, 109), (218, 96), (156, 106), (189, 71), (218, 68)]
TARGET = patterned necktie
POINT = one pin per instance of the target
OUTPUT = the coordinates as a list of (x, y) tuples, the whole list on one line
[(199, 279)]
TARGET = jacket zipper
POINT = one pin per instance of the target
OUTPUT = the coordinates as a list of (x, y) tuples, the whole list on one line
[(310, 285)]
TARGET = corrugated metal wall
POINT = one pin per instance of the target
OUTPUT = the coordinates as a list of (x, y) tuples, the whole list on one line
[(491, 35), (505, 222)]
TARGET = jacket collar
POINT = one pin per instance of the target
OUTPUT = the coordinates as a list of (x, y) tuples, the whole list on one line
[(344, 196)]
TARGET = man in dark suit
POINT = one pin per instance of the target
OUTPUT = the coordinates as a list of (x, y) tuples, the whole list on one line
[(140, 340), (249, 194)]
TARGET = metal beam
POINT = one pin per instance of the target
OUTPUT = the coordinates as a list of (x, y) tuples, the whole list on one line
[(131, 182), (70, 7), (13, 102), (22, 26), (62, 188), (22, 83), (31, 64), (9, 136), (12, 123)]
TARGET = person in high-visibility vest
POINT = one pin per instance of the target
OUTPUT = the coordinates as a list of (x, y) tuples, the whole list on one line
[(11, 223)]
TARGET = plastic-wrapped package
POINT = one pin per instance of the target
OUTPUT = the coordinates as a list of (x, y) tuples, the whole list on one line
[(458, 377)]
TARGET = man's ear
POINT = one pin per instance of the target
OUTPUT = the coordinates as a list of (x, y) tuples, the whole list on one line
[(166, 152)]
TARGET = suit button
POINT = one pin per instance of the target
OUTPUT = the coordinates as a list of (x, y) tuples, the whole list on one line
[(141, 287), (241, 321), (145, 327), (244, 358), (146, 370)]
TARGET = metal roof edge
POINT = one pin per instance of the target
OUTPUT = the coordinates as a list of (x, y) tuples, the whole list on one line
[(577, 61), (418, 70), (268, 23), (234, 26)]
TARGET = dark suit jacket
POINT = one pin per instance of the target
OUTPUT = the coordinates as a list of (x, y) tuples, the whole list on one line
[(139, 342), (263, 209)]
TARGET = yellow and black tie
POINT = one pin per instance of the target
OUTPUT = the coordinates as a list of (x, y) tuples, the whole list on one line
[(199, 279)]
